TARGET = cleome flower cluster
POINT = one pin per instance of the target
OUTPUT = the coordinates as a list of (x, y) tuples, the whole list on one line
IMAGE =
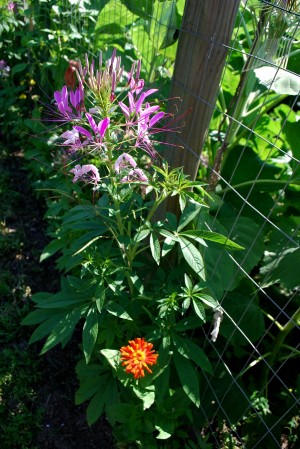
[(109, 117)]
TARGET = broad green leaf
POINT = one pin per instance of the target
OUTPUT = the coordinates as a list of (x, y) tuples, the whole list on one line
[(100, 297), (188, 378), (147, 395), (283, 268), (208, 300), (141, 235), (213, 237), (188, 282), (192, 256), (89, 386), (96, 407), (279, 80), (168, 245), (37, 316), (112, 356), (165, 426), (46, 327), (63, 329), (62, 299), (188, 349), (90, 333), (52, 248), (18, 68), (155, 247), (199, 309), (117, 310), (246, 318), (169, 235), (189, 213), (122, 412), (137, 284), (141, 9)]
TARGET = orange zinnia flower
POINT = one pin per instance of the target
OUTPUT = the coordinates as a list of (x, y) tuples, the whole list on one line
[(137, 356)]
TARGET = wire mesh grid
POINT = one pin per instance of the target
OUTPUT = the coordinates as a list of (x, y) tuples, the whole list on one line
[(250, 159)]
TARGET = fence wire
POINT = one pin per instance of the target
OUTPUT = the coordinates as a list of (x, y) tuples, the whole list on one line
[(253, 394)]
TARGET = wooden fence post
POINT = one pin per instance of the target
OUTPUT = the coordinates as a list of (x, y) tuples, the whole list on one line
[(202, 48)]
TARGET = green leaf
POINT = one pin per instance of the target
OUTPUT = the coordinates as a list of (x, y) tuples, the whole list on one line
[(46, 327), (100, 297), (117, 310), (89, 386), (279, 80), (188, 349), (165, 426), (199, 309), (245, 315), (147, 395), (19, 68), (188, 378), (155, 247), (168, 245), (208, 300), (37, 316), (189, 213), (212, 236), (112, 356), (188, 282), (90, 333), (95, 407), (192, 256), (122, 412), (141, 235), (52, 248), (169, 235), (62, 299), (283, 268), (63, 329)]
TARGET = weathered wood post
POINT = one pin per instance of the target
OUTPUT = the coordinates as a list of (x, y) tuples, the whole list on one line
[(202, 48)]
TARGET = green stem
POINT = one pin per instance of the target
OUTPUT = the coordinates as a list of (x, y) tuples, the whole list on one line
[(278, 343)]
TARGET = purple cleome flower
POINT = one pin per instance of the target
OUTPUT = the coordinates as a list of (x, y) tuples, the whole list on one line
[(76, 100), (135, 175), (87, 173), (124, 161), (99, 130)]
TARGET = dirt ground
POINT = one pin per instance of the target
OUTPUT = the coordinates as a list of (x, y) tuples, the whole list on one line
[(63, 424)]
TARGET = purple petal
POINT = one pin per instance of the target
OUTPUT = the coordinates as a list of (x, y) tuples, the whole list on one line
[(131, 102), (125, 109), (150, 92), (156, 118), (83, 131), (139, 102), (121, 162), (148, 111), (92, 122), (102, 126)]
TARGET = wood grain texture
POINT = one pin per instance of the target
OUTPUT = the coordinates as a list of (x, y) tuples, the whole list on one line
[(202, 48)]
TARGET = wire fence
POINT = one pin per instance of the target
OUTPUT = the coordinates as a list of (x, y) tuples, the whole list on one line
[(249, 157)]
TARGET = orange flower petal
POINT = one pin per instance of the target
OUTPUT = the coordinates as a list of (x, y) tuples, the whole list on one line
[(137, 356)]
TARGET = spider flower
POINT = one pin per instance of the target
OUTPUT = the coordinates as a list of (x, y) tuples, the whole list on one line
[(137, 356), (86, 173)]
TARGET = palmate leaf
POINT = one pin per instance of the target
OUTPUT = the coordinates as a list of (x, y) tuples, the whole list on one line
[(63, 329), (188, 378), (192, 256), (188, 349)]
